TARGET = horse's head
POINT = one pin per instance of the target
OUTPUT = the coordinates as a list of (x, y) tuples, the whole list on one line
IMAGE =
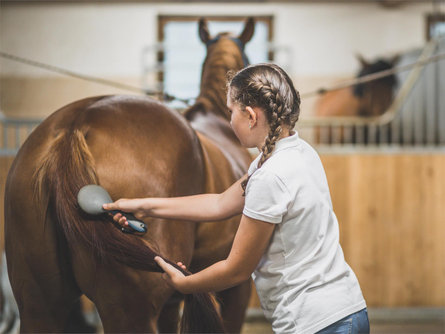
[(225, 52), (236, 48), (375, 96)]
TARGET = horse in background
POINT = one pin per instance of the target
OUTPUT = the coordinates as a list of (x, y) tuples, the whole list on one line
[(134, 147), (364, 99)]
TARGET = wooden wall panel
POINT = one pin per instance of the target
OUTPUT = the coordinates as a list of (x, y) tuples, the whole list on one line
[(392, 224), (391, 211)]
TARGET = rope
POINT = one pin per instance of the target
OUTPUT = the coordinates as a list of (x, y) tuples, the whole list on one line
[(168, 97), (101, 81)]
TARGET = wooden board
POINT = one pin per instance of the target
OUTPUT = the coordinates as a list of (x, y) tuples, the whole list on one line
[(392, 224)]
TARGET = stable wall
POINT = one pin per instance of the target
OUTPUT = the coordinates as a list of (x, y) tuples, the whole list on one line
[(107, 39), (392, 224)]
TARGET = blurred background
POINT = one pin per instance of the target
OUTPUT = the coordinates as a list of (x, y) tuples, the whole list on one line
[(382, 143)]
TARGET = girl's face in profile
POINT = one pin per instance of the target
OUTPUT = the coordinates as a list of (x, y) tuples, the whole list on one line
[(239, 122), (248, 123)]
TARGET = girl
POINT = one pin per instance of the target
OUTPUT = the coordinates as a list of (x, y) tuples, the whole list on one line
[(288, 237)]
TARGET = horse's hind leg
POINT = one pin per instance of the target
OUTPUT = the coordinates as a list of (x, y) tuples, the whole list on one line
[(76, 322), (38, 265), (47, 298), (234, 302), (169, 317)]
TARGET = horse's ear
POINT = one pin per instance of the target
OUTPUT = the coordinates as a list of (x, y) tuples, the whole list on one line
[(362, 60), (204, 31), (248, 31)]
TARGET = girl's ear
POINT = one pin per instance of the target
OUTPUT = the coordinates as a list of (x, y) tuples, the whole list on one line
[(253, 115)]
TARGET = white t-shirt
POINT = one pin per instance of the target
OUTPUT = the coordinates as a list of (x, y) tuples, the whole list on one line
[(303, 281)]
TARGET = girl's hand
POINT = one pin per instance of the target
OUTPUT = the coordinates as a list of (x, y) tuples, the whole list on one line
[(133, 206), (182, 265), (172, 276)]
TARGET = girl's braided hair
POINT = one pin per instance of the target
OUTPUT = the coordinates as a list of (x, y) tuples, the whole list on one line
[(268, 87)]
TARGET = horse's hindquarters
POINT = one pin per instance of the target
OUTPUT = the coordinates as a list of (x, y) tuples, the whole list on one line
[(38, 265), (134, 148)]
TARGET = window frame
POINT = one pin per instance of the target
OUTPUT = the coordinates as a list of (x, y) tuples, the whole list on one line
[(164, 19), (431, 19)]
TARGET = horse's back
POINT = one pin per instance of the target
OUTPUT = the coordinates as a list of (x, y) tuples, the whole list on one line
[(126, 134)]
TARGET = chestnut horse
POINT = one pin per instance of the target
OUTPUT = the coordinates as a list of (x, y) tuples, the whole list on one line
[(365, 99), (134, 147)]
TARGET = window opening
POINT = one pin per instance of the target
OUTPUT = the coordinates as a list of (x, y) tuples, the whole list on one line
[(182, 53)]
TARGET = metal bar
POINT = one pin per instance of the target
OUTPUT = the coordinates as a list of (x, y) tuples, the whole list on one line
[(347, 134), (8, 152), (382, 131), (441, 104), (407, 119), (372, 134), (431, 103), (359, 134), (17, 137), (419, 111), (5, 135), (395, 128)]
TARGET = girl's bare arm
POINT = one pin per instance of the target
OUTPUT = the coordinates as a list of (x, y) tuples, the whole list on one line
[(251, 240), (203, 207)]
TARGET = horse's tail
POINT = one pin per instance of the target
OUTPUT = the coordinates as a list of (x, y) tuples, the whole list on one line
[(67, 166)]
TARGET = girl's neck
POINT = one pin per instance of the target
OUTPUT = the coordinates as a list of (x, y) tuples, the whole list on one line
[(284, 134)]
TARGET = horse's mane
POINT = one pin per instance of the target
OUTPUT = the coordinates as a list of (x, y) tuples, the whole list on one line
[(219, 61)]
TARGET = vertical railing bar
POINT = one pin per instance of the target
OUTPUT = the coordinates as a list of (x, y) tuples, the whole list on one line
[(2, 130), (418, 111), (360, 134), (324, 135), (5, 135), (336, 134), (383, 134), (17, 136), (431, 104), (407, 121), (347, 134), (440, 100), (372, 134)]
